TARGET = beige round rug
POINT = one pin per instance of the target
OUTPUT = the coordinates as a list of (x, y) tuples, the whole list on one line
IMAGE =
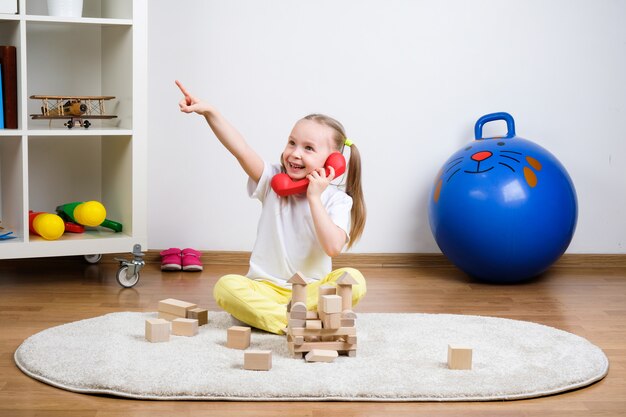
[(400, 357)]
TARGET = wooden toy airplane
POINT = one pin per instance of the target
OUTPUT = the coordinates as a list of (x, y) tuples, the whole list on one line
[(74, 108)]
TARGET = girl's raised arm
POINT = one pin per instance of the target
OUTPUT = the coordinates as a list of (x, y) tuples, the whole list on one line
[(232, 140)]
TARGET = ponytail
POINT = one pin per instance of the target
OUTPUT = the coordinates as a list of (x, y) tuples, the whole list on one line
[(358, 213), (354, 190)]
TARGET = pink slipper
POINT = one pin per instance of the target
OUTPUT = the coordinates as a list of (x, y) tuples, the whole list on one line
[(171, 260), (191, 260)]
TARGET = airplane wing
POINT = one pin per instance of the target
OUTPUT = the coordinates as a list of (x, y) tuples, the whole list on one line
[(40, 97)]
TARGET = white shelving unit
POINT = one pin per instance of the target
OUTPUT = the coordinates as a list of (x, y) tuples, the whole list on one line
[(43, 164)]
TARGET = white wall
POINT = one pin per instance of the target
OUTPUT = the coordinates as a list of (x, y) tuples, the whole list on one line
[(408, 79)]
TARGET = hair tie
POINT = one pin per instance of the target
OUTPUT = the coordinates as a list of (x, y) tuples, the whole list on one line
[(347, 142)]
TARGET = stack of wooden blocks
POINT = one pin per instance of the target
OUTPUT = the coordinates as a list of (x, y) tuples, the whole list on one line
[(176, 317), (324, 333)]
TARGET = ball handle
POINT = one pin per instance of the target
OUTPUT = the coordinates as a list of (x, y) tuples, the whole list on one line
[(510, 124)]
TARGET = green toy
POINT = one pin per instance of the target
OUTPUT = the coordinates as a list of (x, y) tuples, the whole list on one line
[(89, 213)]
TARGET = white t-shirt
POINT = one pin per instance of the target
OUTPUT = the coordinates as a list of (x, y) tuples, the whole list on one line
[(286, 241)]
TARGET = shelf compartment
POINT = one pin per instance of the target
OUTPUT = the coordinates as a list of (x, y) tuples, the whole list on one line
[(91, 60), (88, 243), (10, 36), (11, 189), (102, 9), (65, 169), (9, 32)]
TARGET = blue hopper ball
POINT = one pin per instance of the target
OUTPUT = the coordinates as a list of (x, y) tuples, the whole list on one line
[(502, 209)]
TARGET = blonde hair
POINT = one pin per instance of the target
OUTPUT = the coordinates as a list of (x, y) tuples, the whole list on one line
[(358, 213)]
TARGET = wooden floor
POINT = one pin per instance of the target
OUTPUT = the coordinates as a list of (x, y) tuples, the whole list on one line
[(35, 295)]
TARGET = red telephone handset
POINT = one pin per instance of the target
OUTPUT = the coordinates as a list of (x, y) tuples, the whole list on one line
[(283, 185)]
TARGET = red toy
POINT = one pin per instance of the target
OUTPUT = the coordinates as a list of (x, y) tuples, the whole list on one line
[(283, 185), (47, 225)]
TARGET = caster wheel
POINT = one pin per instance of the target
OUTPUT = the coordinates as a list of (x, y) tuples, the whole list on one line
[(86, 124), (93, 259), (124, 280), (70, 124)]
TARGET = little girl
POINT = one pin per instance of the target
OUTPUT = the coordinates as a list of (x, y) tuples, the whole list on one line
[(296, 233)]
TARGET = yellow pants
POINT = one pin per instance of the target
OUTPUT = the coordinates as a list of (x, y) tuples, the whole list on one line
[(263, 304)]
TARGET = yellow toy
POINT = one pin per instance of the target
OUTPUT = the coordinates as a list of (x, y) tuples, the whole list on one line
[(47, 225)]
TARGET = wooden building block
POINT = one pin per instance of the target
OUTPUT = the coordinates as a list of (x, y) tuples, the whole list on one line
[(312, 315), (342, 331), (321, 355), (298, 311), (257, 360), (185, 327), (344, 290), (200, 314), (348, 322), (322, 291), (157, 330), (332, 321), (295, 323), (346, 279), (298, 288), (297, 315), (298, 306), (459, 357), (176, 307), (327, 290), (238, 337), (330, 304), (309, 346), (168, 316), (313, 324), (348, 314)]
